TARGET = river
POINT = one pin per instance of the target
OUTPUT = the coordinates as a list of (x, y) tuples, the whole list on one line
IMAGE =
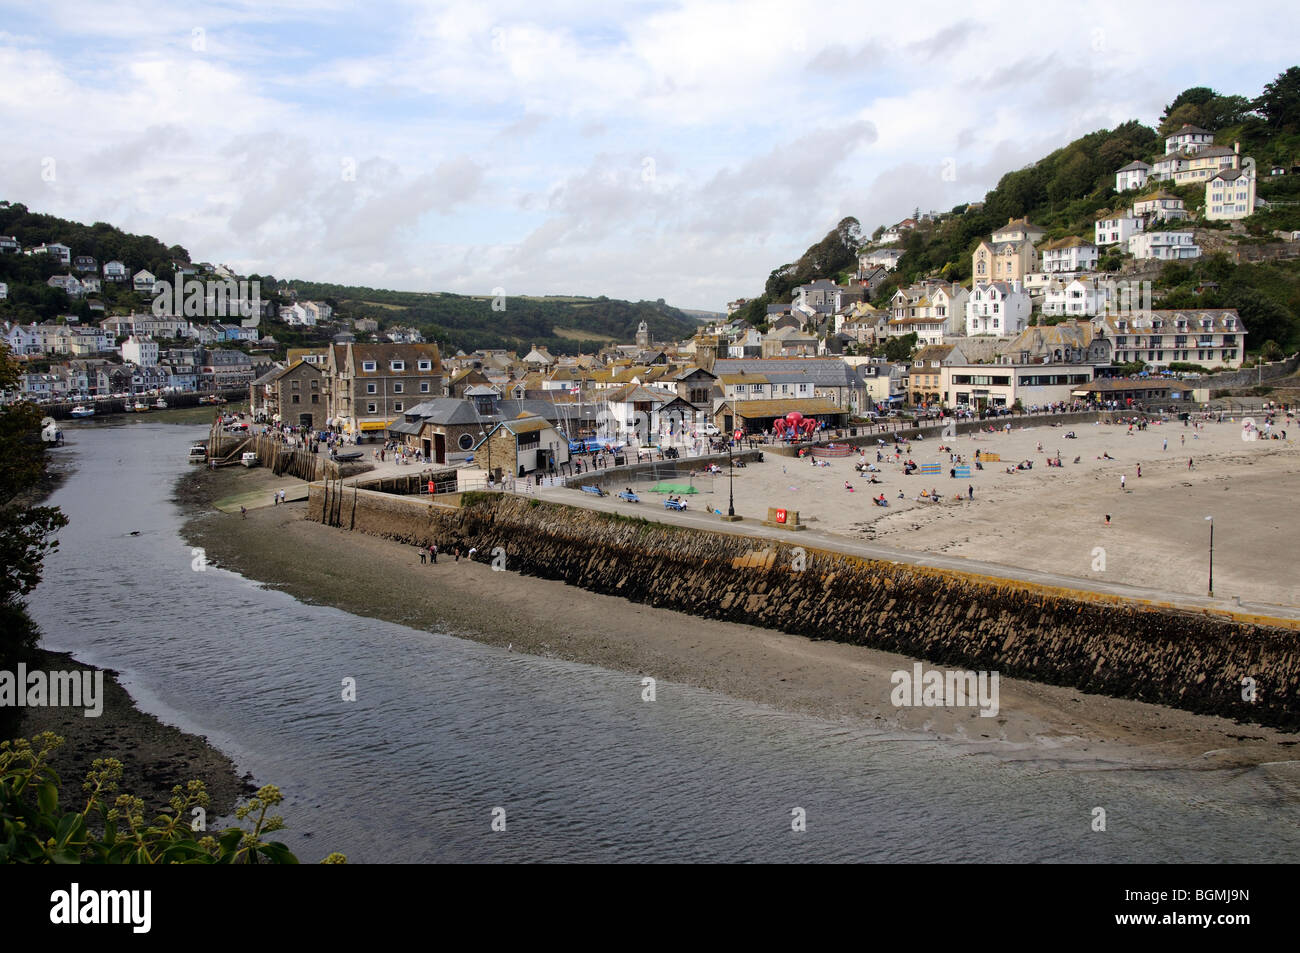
[(445, 729)]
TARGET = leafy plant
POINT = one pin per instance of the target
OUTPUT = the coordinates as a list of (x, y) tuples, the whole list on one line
[(35, 829)]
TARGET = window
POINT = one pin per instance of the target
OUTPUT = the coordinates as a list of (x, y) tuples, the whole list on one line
[(370, 408), (294, 385), (397, 365), (425, 365), (315, 385), (294, 400), (397, 406), (397, 387), (368, 366), (315, 398), (465, 441), (424, 387), (371, 388)]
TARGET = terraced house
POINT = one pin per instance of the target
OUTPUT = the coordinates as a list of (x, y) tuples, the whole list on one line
[(370, 386), (1213, 338)]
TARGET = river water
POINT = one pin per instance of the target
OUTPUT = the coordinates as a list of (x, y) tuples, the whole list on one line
[(445, 730)]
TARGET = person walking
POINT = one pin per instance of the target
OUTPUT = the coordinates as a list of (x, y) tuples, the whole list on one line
[(1189, 463), (424, 555), (970, 492), (1139, 466), (1123, 479), (433, 554), (243, 513), (1165, 446)]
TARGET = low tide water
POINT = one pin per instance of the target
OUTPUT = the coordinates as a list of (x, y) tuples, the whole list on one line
[(445, 730)]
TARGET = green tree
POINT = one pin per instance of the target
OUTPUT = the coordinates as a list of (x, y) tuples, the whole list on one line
[(1279, 103), (900, 349), (26, 531)]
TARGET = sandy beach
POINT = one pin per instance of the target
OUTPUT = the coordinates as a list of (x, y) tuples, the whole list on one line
[(1055, 518), (383, 579)]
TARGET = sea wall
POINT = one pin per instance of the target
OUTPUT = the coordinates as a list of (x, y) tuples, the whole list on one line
[(1194, 661)]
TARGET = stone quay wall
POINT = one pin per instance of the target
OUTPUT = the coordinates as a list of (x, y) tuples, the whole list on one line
[(1191, 660)]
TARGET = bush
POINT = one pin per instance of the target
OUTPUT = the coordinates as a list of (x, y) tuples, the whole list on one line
[(34, 830)]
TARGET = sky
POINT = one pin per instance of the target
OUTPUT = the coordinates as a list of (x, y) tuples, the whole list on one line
[(637, 150)]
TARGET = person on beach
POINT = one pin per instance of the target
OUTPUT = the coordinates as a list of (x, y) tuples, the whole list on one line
[(243, 513), (970, 492), (275, 499), (456, 551), (1165, 446), (424, 555), (1139, 466), (1123, 479), (433, 554), (1107, 519), (1189, 463)]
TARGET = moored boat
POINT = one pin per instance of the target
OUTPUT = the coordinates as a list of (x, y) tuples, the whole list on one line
[(198, 453), (248, 459), (81, 410), (160, 404)]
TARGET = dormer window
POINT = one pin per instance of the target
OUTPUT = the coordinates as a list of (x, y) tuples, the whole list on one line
[(426, 365), (368, 366), (397, 365)]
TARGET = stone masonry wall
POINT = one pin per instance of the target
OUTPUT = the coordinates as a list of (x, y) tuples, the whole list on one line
[(1194, 661)]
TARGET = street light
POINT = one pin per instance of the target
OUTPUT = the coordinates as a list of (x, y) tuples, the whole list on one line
[(731, 484), (1210, 519)]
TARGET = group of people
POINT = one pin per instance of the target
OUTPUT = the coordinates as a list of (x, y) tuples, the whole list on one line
[(429, 554)]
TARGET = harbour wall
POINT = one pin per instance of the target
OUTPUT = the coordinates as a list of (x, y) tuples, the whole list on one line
[(1191, 660)]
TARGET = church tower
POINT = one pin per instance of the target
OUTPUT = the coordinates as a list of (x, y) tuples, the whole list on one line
[(643, 336)]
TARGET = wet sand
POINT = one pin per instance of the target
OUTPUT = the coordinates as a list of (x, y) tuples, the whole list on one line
[(383, 579), (155, 756)]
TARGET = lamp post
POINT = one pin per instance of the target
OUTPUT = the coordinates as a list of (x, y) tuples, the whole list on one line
[(1210, 519), (731, 485), (731, 516)]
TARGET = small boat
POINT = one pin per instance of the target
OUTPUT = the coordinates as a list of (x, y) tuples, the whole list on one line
[(198, 453), (248, 459), (139, 408), (160, 404), (81, 410)]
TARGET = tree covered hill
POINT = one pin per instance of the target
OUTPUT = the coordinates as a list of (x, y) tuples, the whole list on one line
[(1067, 190), (565, 325)]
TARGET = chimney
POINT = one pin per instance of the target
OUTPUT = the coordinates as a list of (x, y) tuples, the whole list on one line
[(1236, 147)]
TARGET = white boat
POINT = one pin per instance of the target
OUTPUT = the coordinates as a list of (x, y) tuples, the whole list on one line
[(248, 459), (198, 453), (160, 404), (81, 410), (140, 408)]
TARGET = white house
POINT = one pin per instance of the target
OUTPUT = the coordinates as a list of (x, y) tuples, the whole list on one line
[(1188, 139), (67, 283), (1069, 254), (886, 258), (1165, 246), (1132, 176), (4, 291), (62, 252), (1077, 298), (298, 315), (1159, 207), (1116, 231), (144, 281), (9, 245), (1231, 193), (114, 271), (141, 351), (999, 308)]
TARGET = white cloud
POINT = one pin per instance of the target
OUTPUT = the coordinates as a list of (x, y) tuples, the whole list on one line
[(505, 142)]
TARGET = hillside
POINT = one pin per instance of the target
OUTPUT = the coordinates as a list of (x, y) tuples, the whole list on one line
[(1066, 191), (566, 325)]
